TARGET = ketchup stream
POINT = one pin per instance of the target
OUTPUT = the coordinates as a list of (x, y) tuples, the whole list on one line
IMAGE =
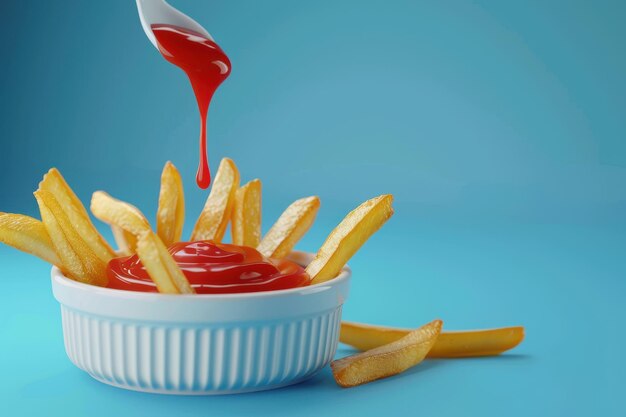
[(213, 268), (206, 65)]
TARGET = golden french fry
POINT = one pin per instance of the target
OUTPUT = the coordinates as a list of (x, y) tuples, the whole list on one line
[(295, 221), (211, 225), (246, 216), (451, 344), (160, 265), (126, 241), (77, 258), (488, 342), (387, 360), (120, 215), (171, 211), (365, 336), (348, 237), (54, 183), (28, 235)]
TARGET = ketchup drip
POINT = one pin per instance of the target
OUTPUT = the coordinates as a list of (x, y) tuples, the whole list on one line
[(213, 268), (206, 65)]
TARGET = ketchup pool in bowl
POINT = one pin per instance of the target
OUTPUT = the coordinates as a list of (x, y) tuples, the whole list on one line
[(213, 268), (203, 344)]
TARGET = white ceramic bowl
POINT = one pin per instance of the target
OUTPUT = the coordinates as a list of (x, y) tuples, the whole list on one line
[(201, 344)]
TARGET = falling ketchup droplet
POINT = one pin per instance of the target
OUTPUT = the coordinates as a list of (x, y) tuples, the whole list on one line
[(206, 65), (203, 176)]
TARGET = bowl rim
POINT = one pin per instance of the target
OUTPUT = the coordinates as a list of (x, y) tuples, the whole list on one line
[(299, 257)]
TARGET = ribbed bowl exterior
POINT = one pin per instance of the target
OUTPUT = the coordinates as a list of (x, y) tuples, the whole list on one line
[(204, 343), (196, 359)]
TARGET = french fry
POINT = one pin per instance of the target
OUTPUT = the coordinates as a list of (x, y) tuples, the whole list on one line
[(346, 239), (28, 235), (451, 344), (295, 221), (161, 267), (54, 183), (120, 215), (78, 260), (211, 225), (171, 210), (488, 342), (246, 216), (387, 360)]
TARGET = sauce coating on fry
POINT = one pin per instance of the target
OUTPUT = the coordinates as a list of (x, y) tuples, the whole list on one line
[(206, 65), (213, 268)]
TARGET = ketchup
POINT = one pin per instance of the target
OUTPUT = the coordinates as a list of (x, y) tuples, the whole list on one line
[(206, 65), (213, 268)]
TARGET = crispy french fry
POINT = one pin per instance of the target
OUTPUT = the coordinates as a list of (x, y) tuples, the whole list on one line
[(452, 344), (78, 260), (488, 342), (160, 265), (28, 235), (246, 216), (120, 215), (295, 221), (171, 211), (348, 237), (387, 360), (211, 225), (54, 183)]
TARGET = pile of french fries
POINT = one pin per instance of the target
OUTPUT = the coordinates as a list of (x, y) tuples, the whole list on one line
[(67, 238)]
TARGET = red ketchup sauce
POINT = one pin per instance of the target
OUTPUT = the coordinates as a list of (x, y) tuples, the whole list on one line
[(206, 65), (213, 268)]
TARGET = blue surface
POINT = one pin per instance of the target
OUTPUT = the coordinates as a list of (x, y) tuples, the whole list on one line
[(498, 127)]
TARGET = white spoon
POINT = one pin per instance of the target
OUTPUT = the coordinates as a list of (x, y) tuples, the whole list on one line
[(152, 12)]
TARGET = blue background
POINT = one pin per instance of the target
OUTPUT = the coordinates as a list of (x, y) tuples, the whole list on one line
[(500, 127)]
